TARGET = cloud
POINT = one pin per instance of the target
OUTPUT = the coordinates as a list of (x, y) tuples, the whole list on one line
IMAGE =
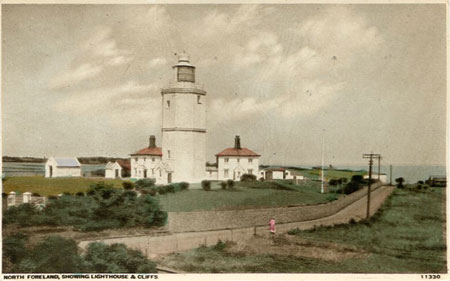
[(72, 76), (157, 62)]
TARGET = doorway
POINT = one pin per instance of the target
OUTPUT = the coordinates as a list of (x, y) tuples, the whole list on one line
[(145, 173), (51, 171), (169, 177), (117, 173)]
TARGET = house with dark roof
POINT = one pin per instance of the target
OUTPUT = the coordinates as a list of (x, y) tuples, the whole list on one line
[(235, 161), (62, 167)]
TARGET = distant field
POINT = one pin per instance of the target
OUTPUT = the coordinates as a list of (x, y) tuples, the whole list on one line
[(242, 197), (328, 173), (405, 236), (52, 186)]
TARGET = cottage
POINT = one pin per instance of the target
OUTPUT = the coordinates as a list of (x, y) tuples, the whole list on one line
[(147, 163), (236, 161), (62, 167), (113, 170)]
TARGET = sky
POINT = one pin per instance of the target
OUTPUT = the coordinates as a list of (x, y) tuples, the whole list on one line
[(85, 80)]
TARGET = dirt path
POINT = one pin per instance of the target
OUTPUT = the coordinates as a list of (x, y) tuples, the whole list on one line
[(152, 246)]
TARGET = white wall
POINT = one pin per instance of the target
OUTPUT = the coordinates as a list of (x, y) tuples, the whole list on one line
[(152, 164), (237, 166), (110, 173), (61, 171)]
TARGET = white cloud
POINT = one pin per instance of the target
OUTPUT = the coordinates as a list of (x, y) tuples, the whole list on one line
[(155, 62), (72, 76)]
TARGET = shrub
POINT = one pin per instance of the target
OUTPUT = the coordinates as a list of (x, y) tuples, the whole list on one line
[(357, 178), (162, 189), (248, 177), (145, 183), (230, 183), (294, 231), (79, 193), (127, 185), (34, 194), (206, 185), (220, 245), (153, 191), (399, 182), (351, 187), (170, 188), (223, 185), (261, 178), (331, 197), (184, 185)]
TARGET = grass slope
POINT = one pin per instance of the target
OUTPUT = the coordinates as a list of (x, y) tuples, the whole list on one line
[(53, 186), (405, 236)]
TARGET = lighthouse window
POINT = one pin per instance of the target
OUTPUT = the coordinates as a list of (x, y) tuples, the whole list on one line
[(168, 104), (198, 100), (186, 74)]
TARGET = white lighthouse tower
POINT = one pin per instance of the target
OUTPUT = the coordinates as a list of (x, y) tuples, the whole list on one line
[(184, 125)]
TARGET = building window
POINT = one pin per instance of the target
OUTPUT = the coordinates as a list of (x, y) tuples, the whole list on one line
[(153, 159), (250, 171), (239, 160), (250, 160), (160, 173), (225, 173), (168, 104), (135, 160), (198, 100), (135, 171), (168, 154), (145, 158), (153, 172), (225, 160)]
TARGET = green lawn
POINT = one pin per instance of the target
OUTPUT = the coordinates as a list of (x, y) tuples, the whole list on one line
[(405, 236), (52, 186), (242, 197)]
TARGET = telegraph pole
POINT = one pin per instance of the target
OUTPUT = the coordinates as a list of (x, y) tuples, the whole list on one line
[(379, 158), (390, 175), (370, 156)]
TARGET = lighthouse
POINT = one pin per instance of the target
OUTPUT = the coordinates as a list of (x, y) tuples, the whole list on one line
[(184, 125)]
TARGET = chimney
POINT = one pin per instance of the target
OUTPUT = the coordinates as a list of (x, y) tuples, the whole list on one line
[(152, 141), (237, 142)]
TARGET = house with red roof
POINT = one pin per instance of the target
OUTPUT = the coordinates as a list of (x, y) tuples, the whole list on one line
[(235, 161), (147, 163)]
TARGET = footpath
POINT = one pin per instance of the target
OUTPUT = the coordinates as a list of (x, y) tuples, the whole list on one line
[(153, 246)]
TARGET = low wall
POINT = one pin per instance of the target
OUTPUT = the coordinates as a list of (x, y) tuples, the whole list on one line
[(218, 220)]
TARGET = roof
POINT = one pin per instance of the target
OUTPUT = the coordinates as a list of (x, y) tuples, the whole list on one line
[(125, 164), (111, 165), (237, 152), (67, 162), (274, 169), (157, 151)]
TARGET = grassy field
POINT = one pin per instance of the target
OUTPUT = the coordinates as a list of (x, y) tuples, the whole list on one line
[(405, 236), (52, 186), (242, 197)]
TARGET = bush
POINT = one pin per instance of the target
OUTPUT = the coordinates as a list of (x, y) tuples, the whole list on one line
[(206, 185), (261, 179), (331, 197), (34, 194), (357, 178), (248, 177), (170, 188), (127, 185), (223, 185), (399, 182), (145, 183), (184, 185), (220, 246), (56, 254), (351, 187), (79, 193), (105, 208), (230, 183), (162, 189)]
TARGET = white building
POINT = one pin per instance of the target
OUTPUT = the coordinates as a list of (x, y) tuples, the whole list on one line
[(62, 167), (383, 177), (147, 164), (234, 162), (113, 170), (184, 125), (280, 174)]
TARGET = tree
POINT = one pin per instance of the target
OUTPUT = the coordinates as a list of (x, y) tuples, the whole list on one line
[(400, 182)]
